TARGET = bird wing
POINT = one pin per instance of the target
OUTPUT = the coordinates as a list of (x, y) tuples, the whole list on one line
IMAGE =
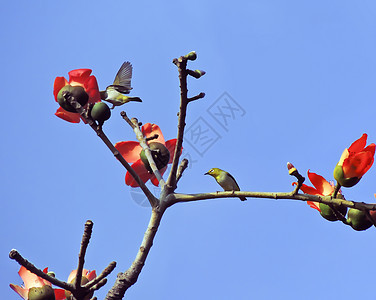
[(233, 179), (124, 76)]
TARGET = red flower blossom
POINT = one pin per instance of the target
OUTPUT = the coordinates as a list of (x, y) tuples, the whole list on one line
[(86, 277), (354, 162), (321, 188), (131, 150), (79, 77), (33, 281), (89, 275)]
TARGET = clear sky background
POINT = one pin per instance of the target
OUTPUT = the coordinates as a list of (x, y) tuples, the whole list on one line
[(303, 74)]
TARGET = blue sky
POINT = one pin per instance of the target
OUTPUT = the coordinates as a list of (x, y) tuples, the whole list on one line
[(302, 74)]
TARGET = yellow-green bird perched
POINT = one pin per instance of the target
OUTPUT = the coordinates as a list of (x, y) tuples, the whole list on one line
[(122, 85), (225, 180)]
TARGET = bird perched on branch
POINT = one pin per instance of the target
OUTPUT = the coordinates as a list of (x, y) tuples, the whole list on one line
[(122, 85), (225, 180)]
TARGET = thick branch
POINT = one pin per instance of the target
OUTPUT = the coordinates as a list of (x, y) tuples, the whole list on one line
[(177, 198), (129, 277)]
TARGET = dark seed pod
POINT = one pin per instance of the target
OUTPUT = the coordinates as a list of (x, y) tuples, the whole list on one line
[(160, 154), (79, 94), (100, 112)]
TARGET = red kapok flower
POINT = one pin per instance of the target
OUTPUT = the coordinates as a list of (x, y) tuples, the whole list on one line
[(131, 150), (89, 275), (322, 188), (82, 78), (86, 277), (354, 162), (33, 281)]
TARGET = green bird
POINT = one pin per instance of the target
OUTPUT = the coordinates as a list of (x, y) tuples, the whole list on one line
[(225, 180), (114, 93)]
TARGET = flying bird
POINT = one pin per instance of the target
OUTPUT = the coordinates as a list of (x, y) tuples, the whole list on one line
[(225, 180), (114, 93)]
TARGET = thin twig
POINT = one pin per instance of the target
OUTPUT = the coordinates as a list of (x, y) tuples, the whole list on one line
[(183, 165), (81, 256), (144, 145), (199, 96), (104, 274), (14, 254)]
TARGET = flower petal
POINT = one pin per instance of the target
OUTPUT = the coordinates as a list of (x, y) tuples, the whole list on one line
[(79, 76), (314, 205), (370, 148), (357, 165), (151, 129), (320, 183), (30, 279), (345, 154), (68, 116), (91, 87), (130, 150), (59, 83), (71, 276), (359, 144), (309, 190), (171, 145), (141, 171), (20, 291), (91, 275), (59, 294)]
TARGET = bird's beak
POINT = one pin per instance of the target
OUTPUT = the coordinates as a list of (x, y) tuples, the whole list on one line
[(207, 173)]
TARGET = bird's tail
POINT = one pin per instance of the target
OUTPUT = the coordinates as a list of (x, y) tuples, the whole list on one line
[(136, 99)]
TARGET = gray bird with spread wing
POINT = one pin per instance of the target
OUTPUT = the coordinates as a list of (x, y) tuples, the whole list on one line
[(122, 85)]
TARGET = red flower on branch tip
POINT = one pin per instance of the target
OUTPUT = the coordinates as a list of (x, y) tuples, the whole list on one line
[(78, 77), (33, 282), (354, 162), (321, 188), (131, 150)]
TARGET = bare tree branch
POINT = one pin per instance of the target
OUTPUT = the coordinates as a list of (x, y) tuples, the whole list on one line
[(178, 198), (129, 277), (181, 63), (29, 266), (115, 152), (81, 256), (183, 165)]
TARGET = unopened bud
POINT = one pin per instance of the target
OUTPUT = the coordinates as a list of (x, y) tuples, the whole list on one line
[(191, 55)]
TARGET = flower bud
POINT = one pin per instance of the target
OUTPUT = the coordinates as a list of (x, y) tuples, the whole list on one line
[(100, 112), (191, 55), (79, 94), (358, 220), (342, 180), (41, 293), (327, 212), (160, 154)]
